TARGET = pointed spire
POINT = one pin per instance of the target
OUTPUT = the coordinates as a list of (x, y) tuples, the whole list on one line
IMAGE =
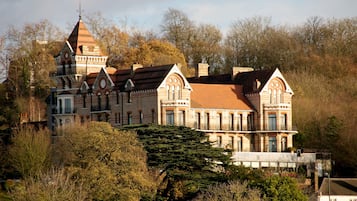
[(82, 41)]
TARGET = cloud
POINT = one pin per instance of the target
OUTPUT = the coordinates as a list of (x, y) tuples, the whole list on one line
[(148, 14)]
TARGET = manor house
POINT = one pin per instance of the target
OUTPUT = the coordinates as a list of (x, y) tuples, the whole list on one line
[(246, 110)]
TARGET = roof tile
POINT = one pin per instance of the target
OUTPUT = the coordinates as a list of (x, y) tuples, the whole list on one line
[(80, 37), (219, 96)]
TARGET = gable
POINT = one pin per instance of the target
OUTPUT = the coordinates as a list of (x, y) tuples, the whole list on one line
[(175, 71), (103, 80), (65, 54), (84, 87), (277, 80), (129, 85)]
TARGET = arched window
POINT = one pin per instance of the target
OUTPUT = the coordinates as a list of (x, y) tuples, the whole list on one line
[(174, 85), (173, 92), (276, 91), (178, 89)]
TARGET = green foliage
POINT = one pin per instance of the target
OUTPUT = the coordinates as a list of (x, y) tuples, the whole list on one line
[(187, 161), (4, 197), (280, 188), (244, 174), (111, 164), (271, 187), (29, 152), (321, 136), (8, 110)]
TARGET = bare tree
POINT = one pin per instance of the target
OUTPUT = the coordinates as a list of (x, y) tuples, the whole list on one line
[(206, 45), (178, 29), (55, 185), (234, 190)]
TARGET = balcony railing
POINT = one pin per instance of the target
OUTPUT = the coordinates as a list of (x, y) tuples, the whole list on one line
[(272, 159), (63, 111), (100, 108), (171, 103), (280, 106)]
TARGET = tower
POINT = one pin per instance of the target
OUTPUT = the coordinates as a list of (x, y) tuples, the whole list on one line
[(79, 57)]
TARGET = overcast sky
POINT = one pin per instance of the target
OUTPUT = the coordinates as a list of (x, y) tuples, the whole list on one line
[(148, 14)]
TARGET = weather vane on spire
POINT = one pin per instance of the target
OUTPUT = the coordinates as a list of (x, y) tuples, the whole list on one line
[(80, 10)]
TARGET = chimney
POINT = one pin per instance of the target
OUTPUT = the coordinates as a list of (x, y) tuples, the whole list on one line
[(237, 70), (201, 70), (134, 67)]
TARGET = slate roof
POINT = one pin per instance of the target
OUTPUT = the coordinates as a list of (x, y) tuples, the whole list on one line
[(150, 77), (247, 80), (143, 78), (339, 186), (218, 96), (81, 36), (212, 79)]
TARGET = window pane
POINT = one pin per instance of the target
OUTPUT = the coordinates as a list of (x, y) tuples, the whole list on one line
[(198, 120), (152, 116), (284, 143), (250, 121), (141, 116), (231, 121), (239, 122), (272, 144), (239, 144), (173, 92), (272, 122), (206, 121), (178, 92), (220, 121), (232, 143), (181, 120), (130, 118), (170, 117), (283, 122), (60, 106), (219, 141), (67, 105)]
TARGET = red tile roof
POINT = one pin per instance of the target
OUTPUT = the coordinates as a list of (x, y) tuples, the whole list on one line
[(246, 79), (219, 96), (90, 79), (81, 36)]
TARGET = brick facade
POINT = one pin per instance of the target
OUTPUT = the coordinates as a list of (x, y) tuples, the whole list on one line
[(245, 111)]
